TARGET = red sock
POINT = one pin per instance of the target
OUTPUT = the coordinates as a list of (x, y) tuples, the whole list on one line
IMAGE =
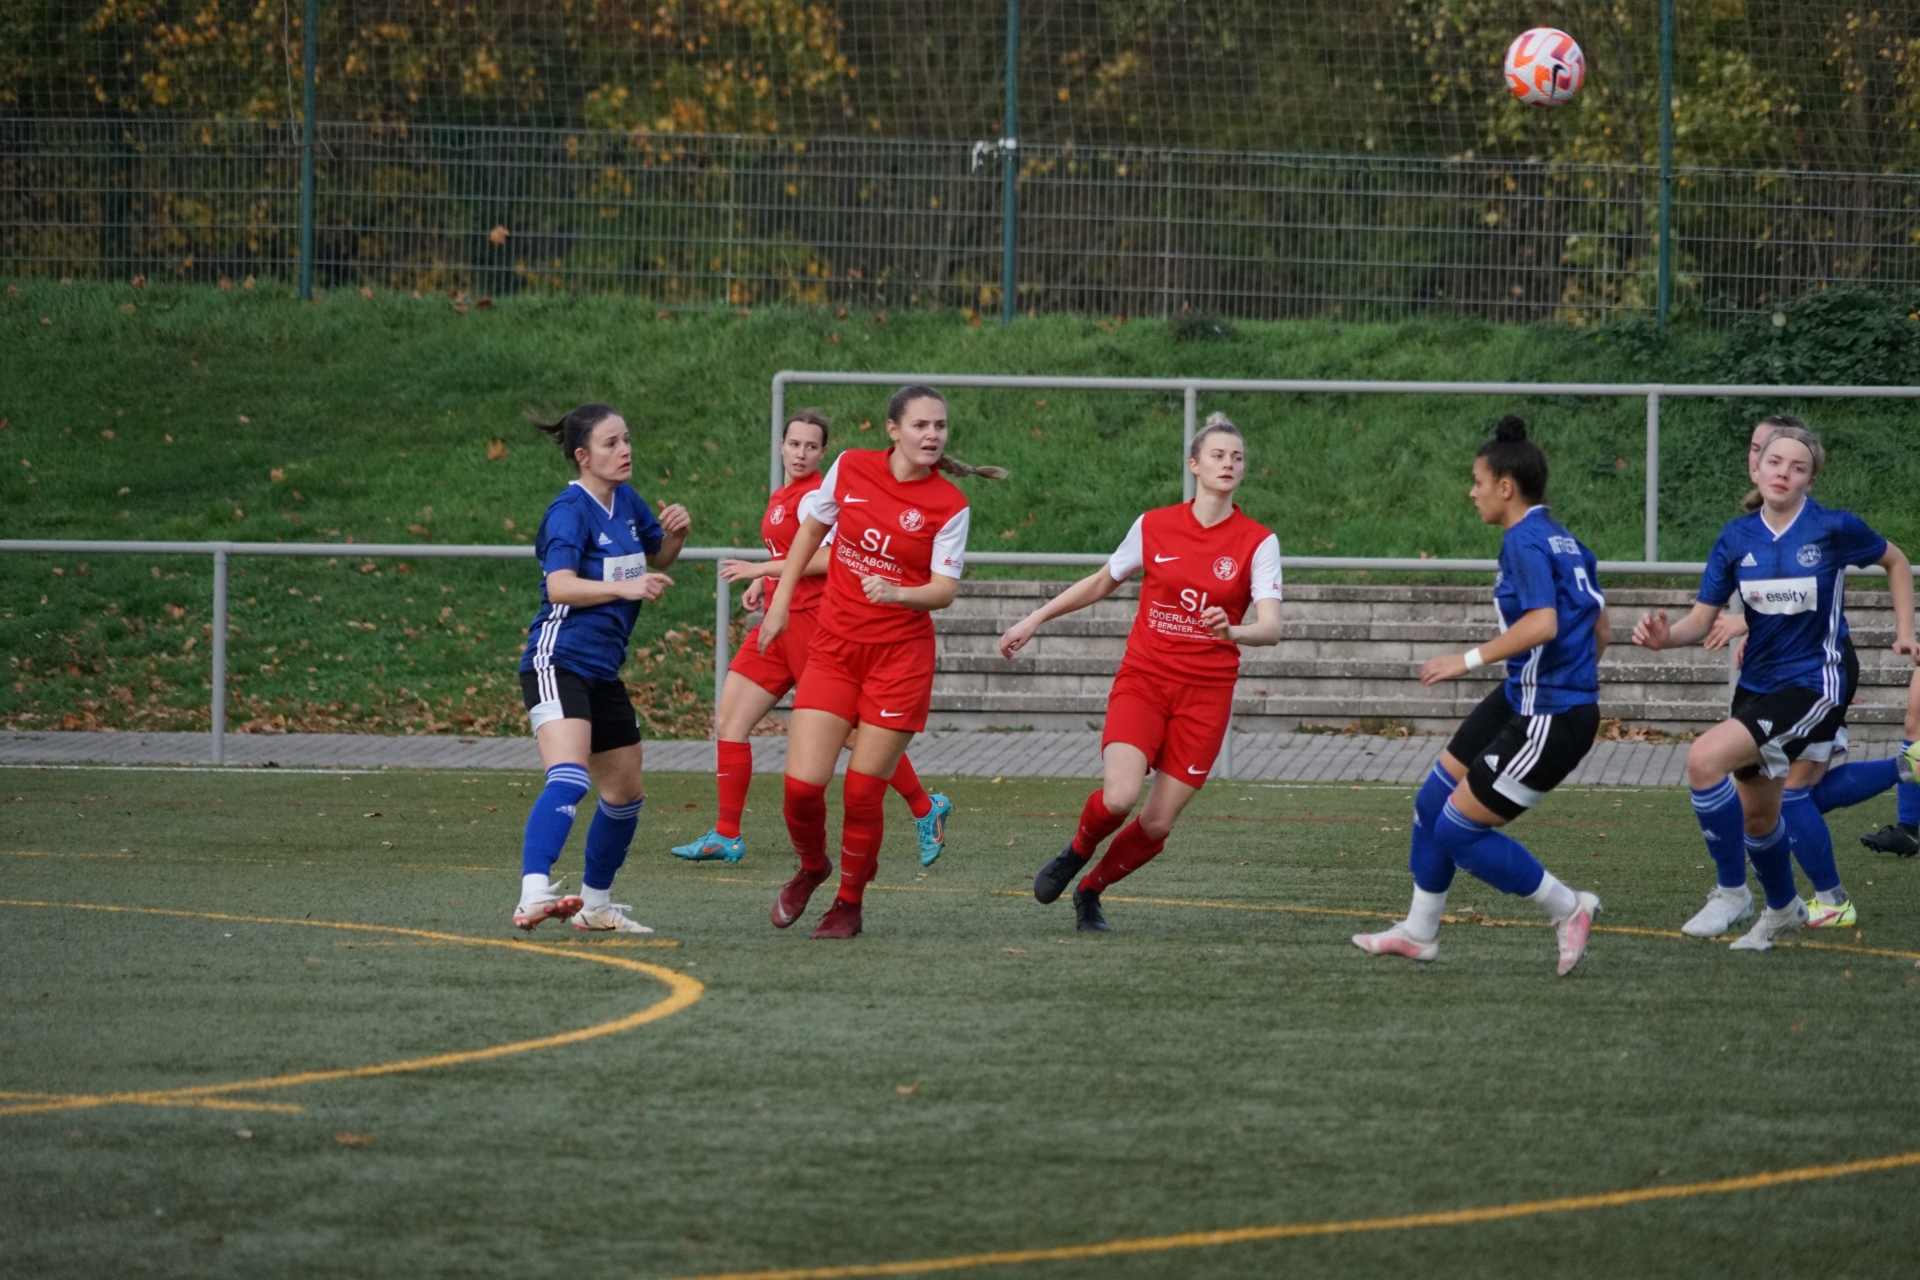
[(1130, 851), (907, 783), (806, 814), (860, 837), (1097, 822), (735, 775)]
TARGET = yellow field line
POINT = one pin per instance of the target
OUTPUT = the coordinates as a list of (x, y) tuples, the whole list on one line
[(1351, 1226), (682, 992)]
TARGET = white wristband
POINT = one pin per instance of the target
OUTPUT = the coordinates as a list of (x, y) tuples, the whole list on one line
[(1473, 660)]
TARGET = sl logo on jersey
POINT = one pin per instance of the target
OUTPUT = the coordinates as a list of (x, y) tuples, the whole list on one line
[(911, 519), (778, 513), (1808, 556), (1225, 567)]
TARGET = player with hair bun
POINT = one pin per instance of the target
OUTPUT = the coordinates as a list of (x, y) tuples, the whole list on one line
[(899, 547), (1206, 566), (1527, 735), (765, 677), (599, 546)]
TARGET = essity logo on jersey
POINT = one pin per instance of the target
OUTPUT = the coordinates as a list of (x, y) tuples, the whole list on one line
[(911, 519), (1781, 595), (1225, 568), (1808, 556), (778, 513)]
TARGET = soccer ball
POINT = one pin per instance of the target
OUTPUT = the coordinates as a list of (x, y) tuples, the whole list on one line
[(1545, 67)]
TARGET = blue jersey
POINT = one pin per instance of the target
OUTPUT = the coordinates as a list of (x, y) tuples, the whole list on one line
[(578, 533), (1542, 566), (1791, 584)]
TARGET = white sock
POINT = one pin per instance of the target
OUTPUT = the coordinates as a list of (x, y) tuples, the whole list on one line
[(1423, 917), (533, 888), (1832, 897), (595, 897), (1555, 898)]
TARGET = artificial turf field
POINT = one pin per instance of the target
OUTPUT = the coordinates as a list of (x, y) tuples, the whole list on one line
[(969, 1077)]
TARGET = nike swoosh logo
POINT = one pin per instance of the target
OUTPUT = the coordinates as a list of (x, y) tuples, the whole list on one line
[(893, 715), (853, 499), (1160, 559), (1191, 769)]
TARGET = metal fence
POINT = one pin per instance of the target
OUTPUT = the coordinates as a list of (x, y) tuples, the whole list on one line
[(718, 220)]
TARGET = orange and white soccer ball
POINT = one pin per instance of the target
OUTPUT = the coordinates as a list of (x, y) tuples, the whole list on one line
[(1545, 67)]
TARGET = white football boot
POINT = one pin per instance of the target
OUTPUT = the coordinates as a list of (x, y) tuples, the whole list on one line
[(552, 905), (1572, 932), (1725, 908), (1397, 942), (611, 918), (1771, 925)]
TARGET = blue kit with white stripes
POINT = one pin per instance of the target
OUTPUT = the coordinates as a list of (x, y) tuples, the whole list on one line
[(1542, 566), (578, 533)]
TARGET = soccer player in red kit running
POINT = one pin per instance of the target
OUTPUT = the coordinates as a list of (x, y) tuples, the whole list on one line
[(899, 546), (767, 676), (1206, 567)]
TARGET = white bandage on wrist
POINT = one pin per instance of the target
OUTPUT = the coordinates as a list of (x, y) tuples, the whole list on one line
[(1473, 660)]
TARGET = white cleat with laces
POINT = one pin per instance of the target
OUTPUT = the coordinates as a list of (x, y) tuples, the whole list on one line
[(1771, 925), (1573, 931), (1725, 908), (611, 918), (1397, 942), (552, 905)]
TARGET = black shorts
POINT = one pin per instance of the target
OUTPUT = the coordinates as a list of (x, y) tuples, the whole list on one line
[(1514, 760), (1787, 725), (557, 694)]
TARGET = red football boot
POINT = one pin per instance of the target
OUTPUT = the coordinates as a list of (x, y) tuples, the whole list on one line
[(792, 901), (841, 921)]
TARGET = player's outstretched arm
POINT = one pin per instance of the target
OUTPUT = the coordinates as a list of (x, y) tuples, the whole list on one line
[(799, 558), (564, 586), (1602, 634), (1900, 587), (1091, 589), (675, 525), (1535, 628), (1653, 631)]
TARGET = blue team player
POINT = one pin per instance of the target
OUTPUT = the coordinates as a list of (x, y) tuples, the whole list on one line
[(599, 545), (1528, 734), (1788, 561)]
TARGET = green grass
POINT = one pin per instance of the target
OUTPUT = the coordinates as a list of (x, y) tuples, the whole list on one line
[(1199, 1068), (245, 415)]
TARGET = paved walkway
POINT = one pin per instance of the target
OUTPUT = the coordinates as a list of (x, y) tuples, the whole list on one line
[(1289, 757)]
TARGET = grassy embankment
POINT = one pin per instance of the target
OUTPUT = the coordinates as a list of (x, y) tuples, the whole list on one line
[(195, 414)]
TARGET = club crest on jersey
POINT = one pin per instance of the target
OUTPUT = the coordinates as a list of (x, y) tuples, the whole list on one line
[(778, 513), (1225, 567), (633, 531), (1808, 556), (911, 519)]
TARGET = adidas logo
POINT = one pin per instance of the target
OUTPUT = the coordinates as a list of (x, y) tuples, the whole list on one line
[(567, 809), (604, 540), (1748, 562), (1766, 726), (1493, 762), (1709, 835)]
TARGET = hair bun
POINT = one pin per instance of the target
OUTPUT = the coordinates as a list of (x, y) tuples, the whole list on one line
[(1512, 428), (1218, 419)]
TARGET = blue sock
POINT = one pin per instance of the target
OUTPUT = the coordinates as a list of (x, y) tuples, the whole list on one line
[(1774, 865), (1853, 782), (1906, 799), (1432, 870), (1811, 841), (608, 839), (552, 819), (1500, 860), (1718, 809)]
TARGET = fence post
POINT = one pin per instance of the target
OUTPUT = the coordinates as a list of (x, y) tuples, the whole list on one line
[(1653, 477), (774, 469), (722, 600), (1187, 480), (310, 38), (1010, 163), (1663, 284), (219, 716)]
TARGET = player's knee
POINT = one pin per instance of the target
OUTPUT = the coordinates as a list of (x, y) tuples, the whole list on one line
[(1120, 799), (1703, 770)]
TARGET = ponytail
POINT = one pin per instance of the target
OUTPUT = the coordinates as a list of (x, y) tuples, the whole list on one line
[(574, 429), (961, 470)]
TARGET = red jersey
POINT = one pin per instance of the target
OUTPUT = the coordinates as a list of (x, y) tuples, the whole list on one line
[(786, 512), (904, 532), (1190, 568)]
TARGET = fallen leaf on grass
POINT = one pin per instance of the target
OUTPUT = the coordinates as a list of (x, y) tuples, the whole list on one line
[(1796, 1025), (1012, 951), (354, 1139), (366, 292), (243, 1133), (375, 814), (904, 1089)]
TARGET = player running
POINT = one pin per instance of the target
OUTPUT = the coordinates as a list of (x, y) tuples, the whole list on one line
[(1788, 561), (899, 546), (598, 544), (767, 676), (1527, 735), (1205, 567)]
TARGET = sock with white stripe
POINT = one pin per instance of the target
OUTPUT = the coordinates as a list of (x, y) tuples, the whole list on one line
[(1722, 826), (1773, 863), (551, 819), (609, 837), (1498, 859), (1432, 870), (1811, 841), (1853, 782)]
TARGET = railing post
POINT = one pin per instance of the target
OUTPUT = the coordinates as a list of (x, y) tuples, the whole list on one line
[(1223, 768), (310, 56), (1192, 425), (1663, 271), (219, 657), (1653, 476), (774, 469), (721, 602), (1010, 166)]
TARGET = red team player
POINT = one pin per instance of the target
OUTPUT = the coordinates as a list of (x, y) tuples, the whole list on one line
[(899, 546), (767, 676), (1205, 565)]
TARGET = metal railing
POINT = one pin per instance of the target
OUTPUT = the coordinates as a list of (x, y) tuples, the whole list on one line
[(1191, 389)]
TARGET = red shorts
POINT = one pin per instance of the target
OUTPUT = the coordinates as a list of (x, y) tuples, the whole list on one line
[(778, 669), (889, 684), (1178, 727)]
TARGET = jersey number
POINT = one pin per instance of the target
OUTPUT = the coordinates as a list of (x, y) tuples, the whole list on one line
[(1193, 601), (872, 540), (1581, 580)]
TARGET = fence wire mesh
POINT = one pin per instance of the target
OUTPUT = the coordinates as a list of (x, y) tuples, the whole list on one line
[(1246, 157)]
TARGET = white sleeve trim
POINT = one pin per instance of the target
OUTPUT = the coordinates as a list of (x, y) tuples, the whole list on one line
[(1130, 555), (1266, 569), (810, 506), (950, 545), (826, 507)]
